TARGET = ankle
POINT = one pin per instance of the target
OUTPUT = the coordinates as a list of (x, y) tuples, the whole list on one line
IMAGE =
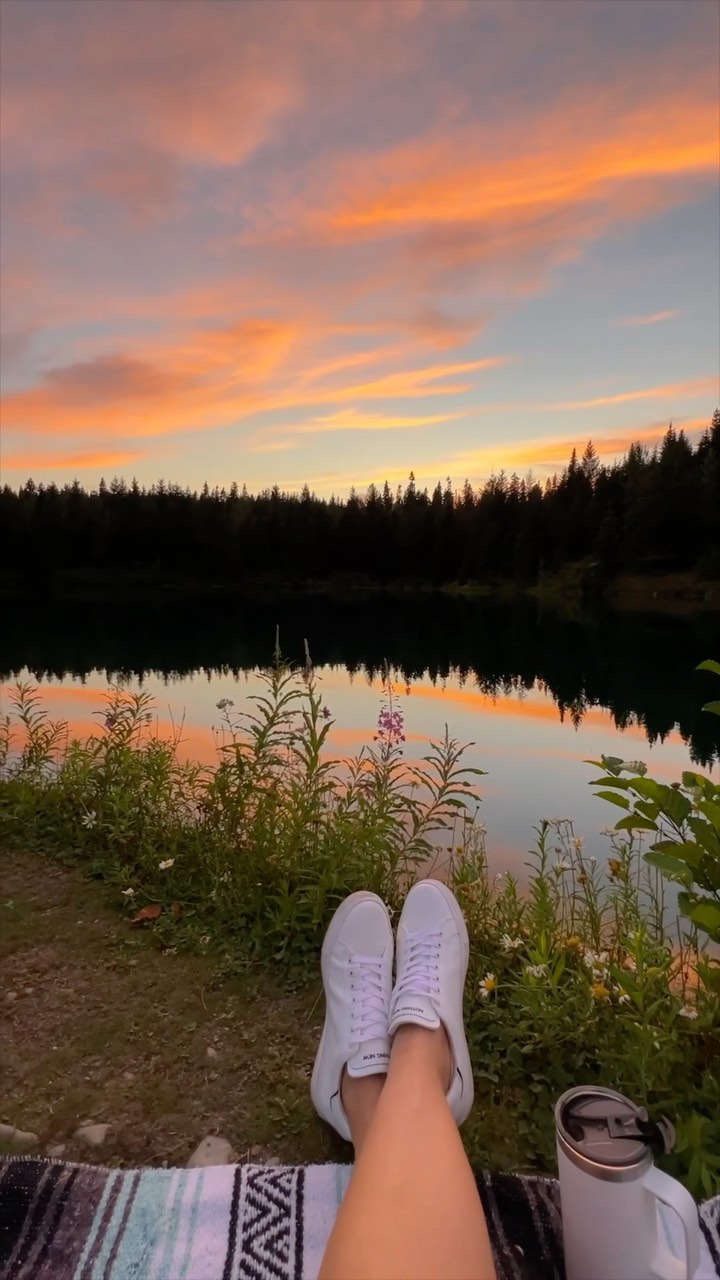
[(426, 1051), (360, 1096)]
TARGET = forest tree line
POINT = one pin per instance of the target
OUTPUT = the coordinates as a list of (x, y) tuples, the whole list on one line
[(656, 511)]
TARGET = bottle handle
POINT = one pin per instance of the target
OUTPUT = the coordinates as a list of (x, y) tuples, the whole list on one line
[(667, 1265)]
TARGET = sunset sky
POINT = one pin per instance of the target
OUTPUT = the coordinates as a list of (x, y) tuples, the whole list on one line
[(327, 241)]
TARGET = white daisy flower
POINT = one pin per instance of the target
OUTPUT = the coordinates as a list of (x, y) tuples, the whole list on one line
[(688, 1011)]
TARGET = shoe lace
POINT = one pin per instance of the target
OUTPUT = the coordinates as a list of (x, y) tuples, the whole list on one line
[(421, 970), (369, 1001)]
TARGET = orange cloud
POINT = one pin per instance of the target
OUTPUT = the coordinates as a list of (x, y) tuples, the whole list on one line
[(353, 420), (576, 150), (656, 317), (197, 387), (37, 460), (543, 454)]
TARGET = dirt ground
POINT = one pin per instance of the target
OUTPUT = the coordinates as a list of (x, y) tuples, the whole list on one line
[(98, 1022)]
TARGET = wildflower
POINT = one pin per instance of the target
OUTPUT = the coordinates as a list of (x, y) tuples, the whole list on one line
[(582, 878), (111, 719), (578, 843), (166, 864), (617, 871), (630, 964), (596, 959), (390, 725), (128, 893), (486, 985), (599, 991), (561, 867), (573, 944), (510, 944), (592, 859), (89, 819), (326, 713), (622, 995), (536, 970), (224, 704), (688, 1011)]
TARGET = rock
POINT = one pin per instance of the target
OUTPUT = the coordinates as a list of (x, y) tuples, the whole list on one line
[(17, 1138), (257, 1150), (211, 1053), (273, 1162), (211, 1151), (128, 1075), (10, 996), (93, 1135), (56, 1150), (29, 991)]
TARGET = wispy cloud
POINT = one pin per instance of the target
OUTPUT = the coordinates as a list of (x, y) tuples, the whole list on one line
[(543, 455), (198, 388), (655, 317), (670, 391), (355, 420), (31, 461)]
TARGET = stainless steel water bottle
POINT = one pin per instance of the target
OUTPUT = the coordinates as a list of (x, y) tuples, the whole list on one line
[(611, 1192)]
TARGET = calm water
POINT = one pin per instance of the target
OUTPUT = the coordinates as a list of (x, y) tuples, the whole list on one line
[(536, 694)]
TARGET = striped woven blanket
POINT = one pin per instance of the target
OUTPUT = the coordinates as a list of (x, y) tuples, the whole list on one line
[(62, 1221)]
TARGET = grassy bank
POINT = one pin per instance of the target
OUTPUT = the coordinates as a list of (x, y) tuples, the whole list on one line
[(585, 978), (575, 585)]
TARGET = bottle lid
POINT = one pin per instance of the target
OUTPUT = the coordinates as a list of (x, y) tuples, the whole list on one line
[(607, 1129)]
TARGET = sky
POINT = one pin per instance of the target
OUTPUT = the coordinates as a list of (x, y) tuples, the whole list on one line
[(325, 242)]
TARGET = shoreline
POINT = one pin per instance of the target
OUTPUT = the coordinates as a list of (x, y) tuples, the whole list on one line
[(578, 587)]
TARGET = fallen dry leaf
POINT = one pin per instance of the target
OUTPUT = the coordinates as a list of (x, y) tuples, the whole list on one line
[(147, 913)]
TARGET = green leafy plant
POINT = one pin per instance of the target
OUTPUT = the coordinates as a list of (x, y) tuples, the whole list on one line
[(685, 819)]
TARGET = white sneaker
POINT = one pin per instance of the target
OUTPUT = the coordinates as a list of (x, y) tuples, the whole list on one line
[(432, 960), (357, 958)]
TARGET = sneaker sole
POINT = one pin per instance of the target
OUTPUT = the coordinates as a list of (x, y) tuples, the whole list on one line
[(331, 937)]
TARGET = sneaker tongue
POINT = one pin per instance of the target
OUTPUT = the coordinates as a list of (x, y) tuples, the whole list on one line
[(417, 1009), (372, 1056)]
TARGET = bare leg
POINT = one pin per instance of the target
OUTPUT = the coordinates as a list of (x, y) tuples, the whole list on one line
[(412, 1210)]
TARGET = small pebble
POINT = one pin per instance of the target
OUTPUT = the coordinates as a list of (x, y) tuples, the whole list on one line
[(211, 1053), (55, 1151), (11, 995), (17, 1138), (92, 1135), (211, 1151)]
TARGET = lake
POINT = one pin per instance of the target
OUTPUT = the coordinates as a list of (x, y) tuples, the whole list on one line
[(537, 693)]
